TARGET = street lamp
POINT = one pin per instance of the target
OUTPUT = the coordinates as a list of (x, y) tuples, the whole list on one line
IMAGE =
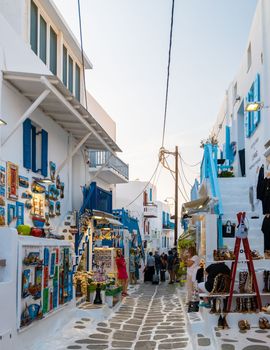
[(2, 122), (255, 106)]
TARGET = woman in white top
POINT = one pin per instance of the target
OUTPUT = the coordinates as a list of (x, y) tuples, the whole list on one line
[(192, 263)]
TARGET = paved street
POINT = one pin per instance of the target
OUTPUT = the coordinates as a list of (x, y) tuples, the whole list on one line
[(151, 318)]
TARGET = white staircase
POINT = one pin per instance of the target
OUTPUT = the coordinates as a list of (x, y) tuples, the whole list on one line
[(235, 198)]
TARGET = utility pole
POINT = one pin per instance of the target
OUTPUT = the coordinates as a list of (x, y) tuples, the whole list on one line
[(174, 172), (176, 198)]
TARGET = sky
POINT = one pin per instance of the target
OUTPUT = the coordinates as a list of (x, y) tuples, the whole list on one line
[(127, 42)]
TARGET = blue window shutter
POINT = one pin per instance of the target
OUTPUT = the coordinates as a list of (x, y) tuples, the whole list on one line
[(27, 143), (257, 98), (44, 153), (248, 117), (150, 195), (34, 149)]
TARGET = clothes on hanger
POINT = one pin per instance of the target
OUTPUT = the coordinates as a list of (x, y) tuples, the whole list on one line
[(265, 195), (266, 232), (260, 183)]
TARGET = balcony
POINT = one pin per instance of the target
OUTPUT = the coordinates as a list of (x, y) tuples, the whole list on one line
[(150, 211), (167, 224), (110, 168)]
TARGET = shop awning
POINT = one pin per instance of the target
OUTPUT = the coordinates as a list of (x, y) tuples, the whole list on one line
[(195, 206), (105, 218), (49, 94)]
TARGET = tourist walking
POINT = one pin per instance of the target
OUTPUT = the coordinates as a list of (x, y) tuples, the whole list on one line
[(157, 262), (150, 268), (137, 264), (122, 271), (171, 266), (192, 264), (163, 267), (132, 267)]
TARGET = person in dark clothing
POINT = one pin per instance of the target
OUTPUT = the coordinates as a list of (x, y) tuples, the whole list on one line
[(200, 275), (212, 271), (150, 268), (265, 195), (157, 262), (260, 183), (266, 233), (171, 267), (163, 267)]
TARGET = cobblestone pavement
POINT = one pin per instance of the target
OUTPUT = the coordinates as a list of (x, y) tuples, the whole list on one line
[(150, 319)]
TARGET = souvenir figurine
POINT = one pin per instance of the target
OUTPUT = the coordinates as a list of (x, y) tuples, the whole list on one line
[(37, 188), (27, 195), (51, 209), (57, 208), (62, 187), (58, 182), (47, 219), (28, 204), (52, 170)]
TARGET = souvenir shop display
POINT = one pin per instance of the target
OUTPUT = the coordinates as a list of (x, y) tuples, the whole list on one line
[(24, 230), (2, 216), (57, 208), (105, 258), (2, 176), (223, 254), (20, 213), (98, 299), (52, 170), (11, 213), (53, 192), (46, 281), (62, 188), (27, 195), (51, 209), (228, 229), (12, 181), (38, 188), (38, 205), (23, 181)]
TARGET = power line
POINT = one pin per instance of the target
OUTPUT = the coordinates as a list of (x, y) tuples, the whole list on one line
[(190, 165), (168, 167), (168, 76), (181, 164), (154, 173), (83, 63)]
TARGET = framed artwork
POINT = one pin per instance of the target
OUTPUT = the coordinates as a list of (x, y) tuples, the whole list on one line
[(23, 181), (12, 181), (2, 176), (11, 213), (2, 216), (20, 213)]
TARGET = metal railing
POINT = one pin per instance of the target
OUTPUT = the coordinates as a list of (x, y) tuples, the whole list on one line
[(209, 170), (105, 158)]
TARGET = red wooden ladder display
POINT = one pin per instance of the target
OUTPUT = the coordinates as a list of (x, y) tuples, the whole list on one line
[(244, 240)]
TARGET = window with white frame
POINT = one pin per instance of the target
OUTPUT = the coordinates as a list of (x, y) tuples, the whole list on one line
[(44, 43), (252, 119)]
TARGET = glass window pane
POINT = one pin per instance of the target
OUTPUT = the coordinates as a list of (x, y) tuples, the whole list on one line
[(77, 82), (64, 65), (53, 51), (43, 40), (70, 74), (33, 26)]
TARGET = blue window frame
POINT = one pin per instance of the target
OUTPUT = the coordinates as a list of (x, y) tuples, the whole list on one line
[(77, 82), (70, 74), (35, 148), (253, 118), (42, 39), (64, 73), (34, 27), (53, 51)]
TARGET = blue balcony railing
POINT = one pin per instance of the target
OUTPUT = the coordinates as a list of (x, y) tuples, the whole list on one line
[(105, 158), (166, 222), (95, 198)]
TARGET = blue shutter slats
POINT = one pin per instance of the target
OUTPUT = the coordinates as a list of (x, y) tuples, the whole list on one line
[(256, 98), (34, 149), (44, 153), (27, 143)]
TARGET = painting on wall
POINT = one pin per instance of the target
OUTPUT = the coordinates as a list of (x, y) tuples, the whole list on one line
[(12, 181), (2, 216), (23, 181), (2, 176)]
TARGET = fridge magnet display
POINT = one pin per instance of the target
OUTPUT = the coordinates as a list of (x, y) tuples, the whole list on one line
[(52, 265), (33, 259), (27, 195), (25, 282), (2, 216), (20, 213), (28, 204), (23, 181), (38, 205), (52, 170), (12, 181), (2, 176), (11, 213)]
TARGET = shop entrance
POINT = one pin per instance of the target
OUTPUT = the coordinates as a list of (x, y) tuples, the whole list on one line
[(241, 141)]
